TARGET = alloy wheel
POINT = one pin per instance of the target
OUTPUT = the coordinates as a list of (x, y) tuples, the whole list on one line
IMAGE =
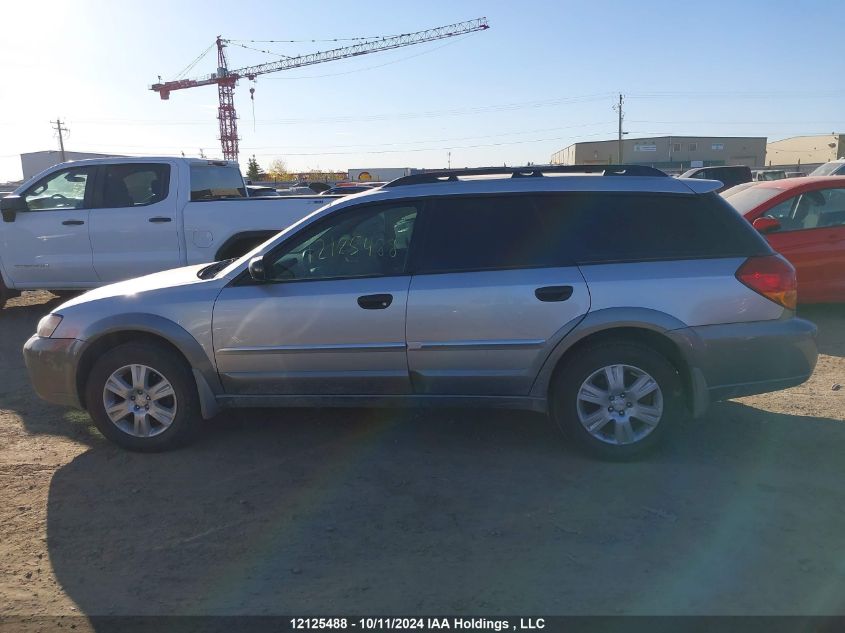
[(620, 404), (139, 400)]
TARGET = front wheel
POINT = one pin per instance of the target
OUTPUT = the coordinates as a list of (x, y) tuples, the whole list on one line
[(5, 294), (143, 398), (617, 399)]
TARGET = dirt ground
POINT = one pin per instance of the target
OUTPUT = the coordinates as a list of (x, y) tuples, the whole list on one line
[(389, 512)]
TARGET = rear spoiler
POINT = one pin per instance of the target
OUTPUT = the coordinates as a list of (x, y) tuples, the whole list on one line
[(699, 185)]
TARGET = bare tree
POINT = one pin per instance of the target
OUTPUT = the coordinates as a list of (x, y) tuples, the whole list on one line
[(278, 169)]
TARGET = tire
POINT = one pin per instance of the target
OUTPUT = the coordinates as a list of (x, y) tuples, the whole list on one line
[(5, 294), (582, 390), (165, 418)]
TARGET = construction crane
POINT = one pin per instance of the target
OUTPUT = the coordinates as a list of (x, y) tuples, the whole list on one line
[(226, 79)]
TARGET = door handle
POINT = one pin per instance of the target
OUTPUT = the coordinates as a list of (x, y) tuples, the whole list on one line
[(553, 293), (158, 220), (375, 302), (73, 222)]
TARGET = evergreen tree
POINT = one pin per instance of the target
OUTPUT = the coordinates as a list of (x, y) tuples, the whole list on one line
[(254, 171)]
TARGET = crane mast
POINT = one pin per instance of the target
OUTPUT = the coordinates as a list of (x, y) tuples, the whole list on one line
[(227, 79), (226, 115)]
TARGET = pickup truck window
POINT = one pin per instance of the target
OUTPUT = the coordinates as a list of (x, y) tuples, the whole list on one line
[(216, 182), (134, 185), (63, 189)]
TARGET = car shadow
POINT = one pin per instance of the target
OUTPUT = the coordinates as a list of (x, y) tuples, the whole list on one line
[(18, 321), (431, 511), (830, 318)]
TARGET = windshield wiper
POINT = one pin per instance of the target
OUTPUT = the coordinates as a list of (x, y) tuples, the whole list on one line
[(212, 269)]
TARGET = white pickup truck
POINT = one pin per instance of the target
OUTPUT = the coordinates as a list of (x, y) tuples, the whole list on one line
[(93, 222)]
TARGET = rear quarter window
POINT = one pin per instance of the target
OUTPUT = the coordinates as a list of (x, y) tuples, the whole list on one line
[(602, 227), (216, 182)]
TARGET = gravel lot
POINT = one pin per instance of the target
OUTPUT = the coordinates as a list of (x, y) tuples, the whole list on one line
[(460, 512)]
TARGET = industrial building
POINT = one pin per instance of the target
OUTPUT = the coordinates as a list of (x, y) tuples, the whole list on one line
[(35, 162), (800, 152), (671, 153), (380, 174)]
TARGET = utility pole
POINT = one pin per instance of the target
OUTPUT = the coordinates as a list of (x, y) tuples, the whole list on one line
[(59, 129), (449, 159), (618, 109)]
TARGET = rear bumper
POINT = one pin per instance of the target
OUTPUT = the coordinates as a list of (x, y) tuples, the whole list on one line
[(743, 359), (52, 363)]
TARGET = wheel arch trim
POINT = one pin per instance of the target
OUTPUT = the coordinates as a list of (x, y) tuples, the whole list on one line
[(203, 370), (675, 332)]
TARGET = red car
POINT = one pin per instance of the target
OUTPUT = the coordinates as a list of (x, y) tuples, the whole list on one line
[(803, 219)]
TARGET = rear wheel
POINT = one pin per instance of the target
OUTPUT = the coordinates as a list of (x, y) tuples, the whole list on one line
[(617, 399), (143, 398)]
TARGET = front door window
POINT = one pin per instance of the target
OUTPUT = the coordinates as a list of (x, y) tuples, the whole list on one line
[(811, 210), (61, 190), (373, 242)]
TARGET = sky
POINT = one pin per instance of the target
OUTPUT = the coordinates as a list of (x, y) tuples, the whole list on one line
[(544, 75)]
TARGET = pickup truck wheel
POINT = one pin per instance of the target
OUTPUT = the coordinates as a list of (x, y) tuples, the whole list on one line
[(143, 398), (617, 399), (5, 293)]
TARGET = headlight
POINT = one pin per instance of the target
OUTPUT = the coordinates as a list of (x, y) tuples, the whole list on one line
[(48, 325)]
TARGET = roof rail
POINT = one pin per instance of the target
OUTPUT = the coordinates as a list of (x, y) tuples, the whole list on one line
[(531, 171)]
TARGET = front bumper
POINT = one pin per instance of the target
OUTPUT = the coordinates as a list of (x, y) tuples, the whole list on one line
[(52, 363), (743, 359)]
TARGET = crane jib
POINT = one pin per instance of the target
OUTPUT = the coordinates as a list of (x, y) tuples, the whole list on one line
[(226, 79)]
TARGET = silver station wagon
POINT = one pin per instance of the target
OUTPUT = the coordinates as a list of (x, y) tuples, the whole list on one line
[(613, 298)]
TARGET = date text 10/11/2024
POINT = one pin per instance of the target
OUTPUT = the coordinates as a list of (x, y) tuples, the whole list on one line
[(420, 624)]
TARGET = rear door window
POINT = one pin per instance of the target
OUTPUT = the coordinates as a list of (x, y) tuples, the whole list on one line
[(133, 185), (486, 233)]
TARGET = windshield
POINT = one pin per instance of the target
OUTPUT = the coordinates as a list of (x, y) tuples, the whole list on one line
[(727, 193), (829, 169), (751, 197)]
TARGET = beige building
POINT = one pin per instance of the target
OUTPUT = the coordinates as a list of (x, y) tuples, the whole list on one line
[(805, 150), (673, 153)]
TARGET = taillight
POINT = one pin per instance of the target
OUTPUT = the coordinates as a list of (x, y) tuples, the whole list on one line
[(771, 276)]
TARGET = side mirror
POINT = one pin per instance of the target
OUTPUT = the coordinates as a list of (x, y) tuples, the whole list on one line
[(10, 206), (256, 268), (766, 225)]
